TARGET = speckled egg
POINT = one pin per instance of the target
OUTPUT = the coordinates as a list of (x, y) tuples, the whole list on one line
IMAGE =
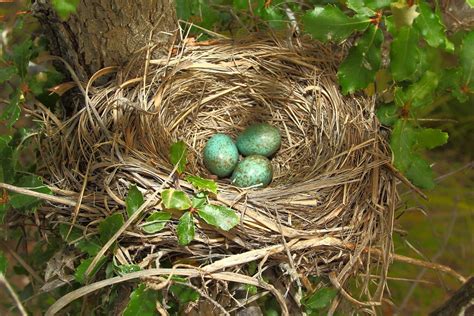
[(259, 139), (220, 155), (253, 170)]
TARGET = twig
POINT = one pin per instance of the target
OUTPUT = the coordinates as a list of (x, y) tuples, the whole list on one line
[(402, 178), (429, 265), (398, 279), (130, 220), (444, 176), (449, 174), (22, 262), (196, 272), (44, 196), (119, 232), (13, 294), (435, 257), (347, 296), (81, 195), (413, 261), (203, 294)]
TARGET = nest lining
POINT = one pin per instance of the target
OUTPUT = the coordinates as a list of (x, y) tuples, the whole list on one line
[(331, 197)]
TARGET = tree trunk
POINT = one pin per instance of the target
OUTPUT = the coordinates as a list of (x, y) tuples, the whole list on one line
[(104, 33)]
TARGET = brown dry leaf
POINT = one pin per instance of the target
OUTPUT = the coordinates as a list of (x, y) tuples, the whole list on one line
[(57, 265), (62, 88)]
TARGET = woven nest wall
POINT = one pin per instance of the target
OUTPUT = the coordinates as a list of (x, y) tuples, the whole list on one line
[(329, 209)]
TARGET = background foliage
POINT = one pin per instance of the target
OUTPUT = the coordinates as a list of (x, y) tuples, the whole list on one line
[(401, 52)]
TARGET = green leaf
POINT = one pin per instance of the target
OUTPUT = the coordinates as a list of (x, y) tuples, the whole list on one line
[(203, 184), (377, 4), (331, 24), (174, 199), (199, 200), (209, 17), (185, 229), (183, 10), (155, 222), (240, 4), (451, 81), (109, 226), (32, 182), (390, 24), (404, 141), (466, 60), (388, 114), (134, 200), (271, 311), (6, 73), (320, 299), (22, 54), (470, 3), (7, 163), (109, 270), (64, 8), (90, 246), (252, 268), (142, 302), (42, 81), (127, 268), (11, 113), (405, 54), (430, 138), (420, 173), (431, 28), (219, 216), (362, 63), (178, 155), (74, 234), (80, 273), (421, 93), (251, 289), (184, 294), (403, 14), (3, 263), (274, 17), (360, 7)]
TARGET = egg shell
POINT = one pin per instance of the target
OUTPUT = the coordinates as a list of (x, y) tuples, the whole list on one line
[(220, 155), (259, 139), (253, 170)]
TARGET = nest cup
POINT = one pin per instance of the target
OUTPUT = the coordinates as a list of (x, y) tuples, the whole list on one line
[(332, 197)]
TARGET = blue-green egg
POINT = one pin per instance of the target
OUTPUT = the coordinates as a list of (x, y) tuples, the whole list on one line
[(253, 170), (259, 139), (220, 155)]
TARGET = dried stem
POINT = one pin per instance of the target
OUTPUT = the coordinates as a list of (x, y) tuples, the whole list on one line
[(15, 297)]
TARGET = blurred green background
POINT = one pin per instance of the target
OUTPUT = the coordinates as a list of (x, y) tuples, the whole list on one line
[(441, 229)]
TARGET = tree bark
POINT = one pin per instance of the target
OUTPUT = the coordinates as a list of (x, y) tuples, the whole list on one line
[(105, 33), (461, 303)]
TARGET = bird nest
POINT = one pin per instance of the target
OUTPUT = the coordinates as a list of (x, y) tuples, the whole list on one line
[(328, 211)]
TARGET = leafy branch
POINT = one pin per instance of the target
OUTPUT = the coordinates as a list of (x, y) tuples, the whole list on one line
[(197, 207), (399, 51), (415, 86)]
